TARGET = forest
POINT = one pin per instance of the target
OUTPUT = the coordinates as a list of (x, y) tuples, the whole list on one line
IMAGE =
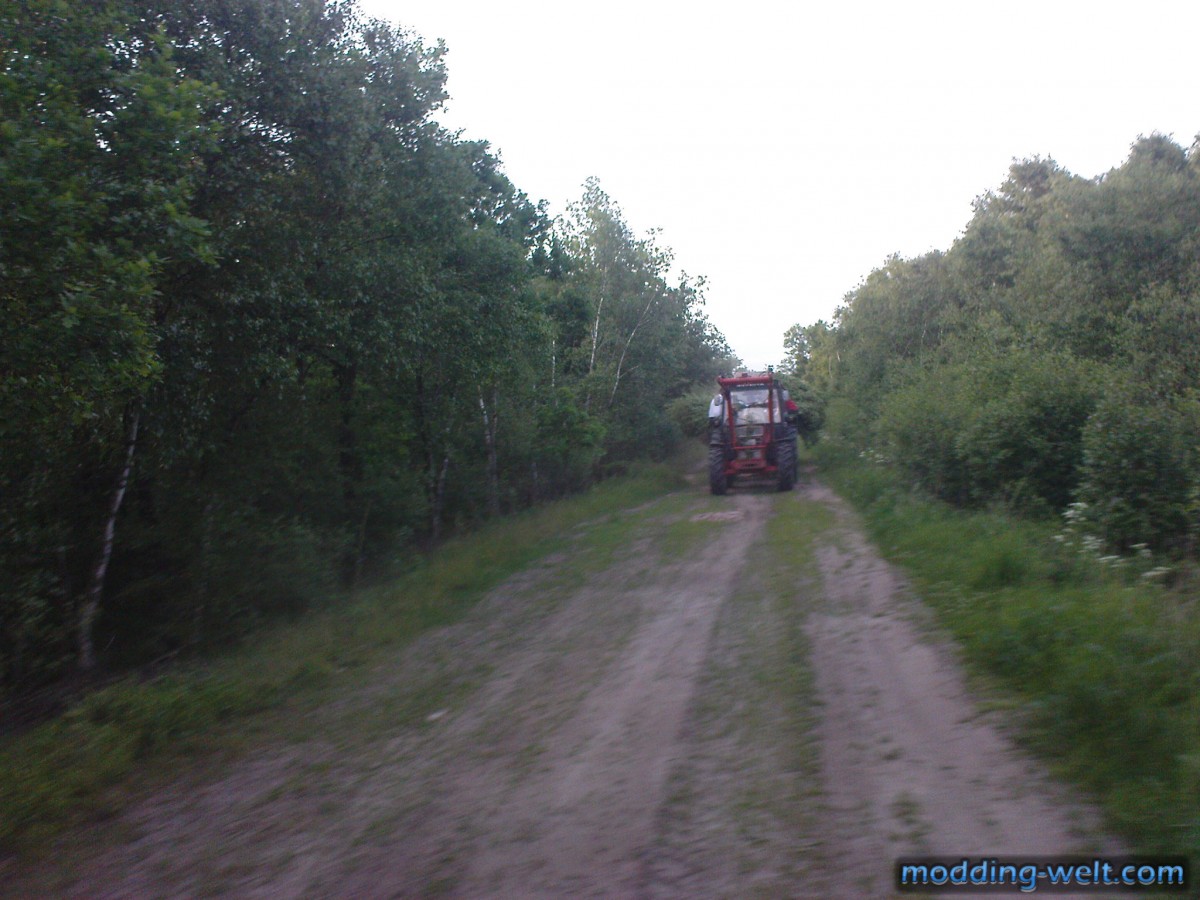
[(271, 330), (1047, 363)]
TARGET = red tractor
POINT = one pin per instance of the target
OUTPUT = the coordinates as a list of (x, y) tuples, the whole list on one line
[(752, 432)]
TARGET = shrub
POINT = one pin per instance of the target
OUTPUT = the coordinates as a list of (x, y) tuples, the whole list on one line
[(847, 422), (1140, 468), (250, 569), (919, 425), (810, 410), (1025, 444), (1000, 428), (689, 412)]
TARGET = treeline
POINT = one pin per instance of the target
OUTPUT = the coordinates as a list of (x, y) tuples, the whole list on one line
[(268, 326), (1049, 359)]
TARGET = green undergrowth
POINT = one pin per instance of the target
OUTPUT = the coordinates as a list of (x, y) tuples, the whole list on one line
[(65, 770), (1104, 664)]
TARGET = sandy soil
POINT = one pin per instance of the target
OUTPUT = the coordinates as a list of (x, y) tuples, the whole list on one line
[(911, 765), (619, 737)]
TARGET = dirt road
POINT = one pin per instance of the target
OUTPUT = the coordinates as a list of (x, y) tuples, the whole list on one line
[(736, 698)]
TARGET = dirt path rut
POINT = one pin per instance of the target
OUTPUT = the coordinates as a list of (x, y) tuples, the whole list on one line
[(669, 722), (582, 823), (912, 766)]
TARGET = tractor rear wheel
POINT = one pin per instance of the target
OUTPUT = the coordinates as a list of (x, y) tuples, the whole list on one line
[(716, 469), (785, 459)]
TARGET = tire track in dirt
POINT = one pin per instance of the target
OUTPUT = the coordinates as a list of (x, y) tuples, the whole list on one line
[(545, 779), (573, 709), (911, 766), (583, 821), (742, 813), (552, 777)]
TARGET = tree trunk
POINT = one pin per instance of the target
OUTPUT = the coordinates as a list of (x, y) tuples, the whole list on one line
[(361, 556), (624, 350), (587, 399), (595, 335), (204, 583), (491, 424), (95, 591), (350, 463), (439, 501), (429, 451)]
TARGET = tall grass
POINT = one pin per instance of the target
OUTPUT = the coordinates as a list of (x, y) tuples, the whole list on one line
[(61, 772), (1105, 664)]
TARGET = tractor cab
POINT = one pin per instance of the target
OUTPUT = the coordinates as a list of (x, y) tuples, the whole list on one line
[(751, 432)]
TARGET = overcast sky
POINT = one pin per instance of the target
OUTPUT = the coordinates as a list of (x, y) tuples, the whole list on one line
[(785, 153)]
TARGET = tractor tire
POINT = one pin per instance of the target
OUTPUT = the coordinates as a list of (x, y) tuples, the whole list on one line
[(785, 459), (716, 469)]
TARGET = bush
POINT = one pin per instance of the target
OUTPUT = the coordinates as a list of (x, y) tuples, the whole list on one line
[(689, 412), (250, 569), (919, 427), (847, 422), (1002, 428), (1025, 444), (1140, 469), (571, 444), (810, 408)]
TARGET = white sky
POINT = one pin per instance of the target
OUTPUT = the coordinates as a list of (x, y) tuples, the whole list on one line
[(785, 152)]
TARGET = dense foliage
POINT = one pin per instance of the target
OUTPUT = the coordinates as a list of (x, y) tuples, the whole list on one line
[(1050, 357), (267, 324)]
